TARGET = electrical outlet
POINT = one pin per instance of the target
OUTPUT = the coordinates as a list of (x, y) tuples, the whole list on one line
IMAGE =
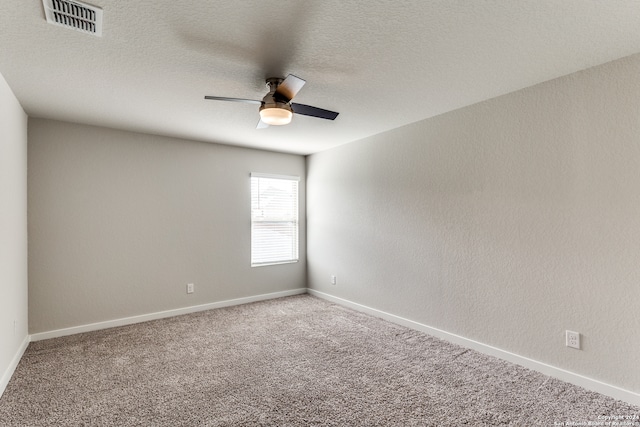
[(333, 279), (573, 339), (190, 288)]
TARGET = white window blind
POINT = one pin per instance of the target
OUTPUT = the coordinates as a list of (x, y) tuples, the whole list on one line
[(274, 219)]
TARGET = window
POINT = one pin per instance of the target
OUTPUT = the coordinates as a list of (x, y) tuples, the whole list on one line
[(274, 219)]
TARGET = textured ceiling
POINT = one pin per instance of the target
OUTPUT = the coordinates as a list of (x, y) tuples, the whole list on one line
[(381, 64)]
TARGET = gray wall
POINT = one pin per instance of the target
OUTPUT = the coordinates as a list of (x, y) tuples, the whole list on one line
[(506, 222), (120, 222), (13, 231)]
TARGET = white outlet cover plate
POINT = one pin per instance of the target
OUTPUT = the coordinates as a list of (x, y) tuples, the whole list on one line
[(573, 339)]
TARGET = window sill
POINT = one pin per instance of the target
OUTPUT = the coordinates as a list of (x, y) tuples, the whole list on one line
[(264, 264)]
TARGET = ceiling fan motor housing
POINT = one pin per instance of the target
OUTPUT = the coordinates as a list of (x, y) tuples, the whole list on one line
[(272, 99), (269, 101), (280, 111)]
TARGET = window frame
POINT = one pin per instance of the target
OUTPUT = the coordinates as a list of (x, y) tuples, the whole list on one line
[(294, 220)]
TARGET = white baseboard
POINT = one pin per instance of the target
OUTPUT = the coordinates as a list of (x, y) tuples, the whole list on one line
[(552, 371), (6, 376), (161, 315)]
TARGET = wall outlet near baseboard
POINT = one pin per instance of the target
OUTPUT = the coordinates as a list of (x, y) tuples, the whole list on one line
[(190, 288), (573, 339), (333, 279)]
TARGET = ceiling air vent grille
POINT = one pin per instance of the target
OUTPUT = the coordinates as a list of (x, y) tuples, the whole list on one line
[(75, 15)]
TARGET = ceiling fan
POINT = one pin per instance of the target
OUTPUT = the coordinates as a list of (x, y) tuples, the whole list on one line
[(276, 107)]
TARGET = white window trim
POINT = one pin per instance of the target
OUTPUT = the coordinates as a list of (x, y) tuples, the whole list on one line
[(274, 176), (282, 177)]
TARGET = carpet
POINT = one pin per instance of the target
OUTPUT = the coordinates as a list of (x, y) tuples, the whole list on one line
[(295, 361)]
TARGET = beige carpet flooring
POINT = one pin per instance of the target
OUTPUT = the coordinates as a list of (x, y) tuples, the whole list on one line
[(296, 361)]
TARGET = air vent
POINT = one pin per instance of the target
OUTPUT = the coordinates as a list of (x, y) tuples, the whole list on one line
[(74, 15)]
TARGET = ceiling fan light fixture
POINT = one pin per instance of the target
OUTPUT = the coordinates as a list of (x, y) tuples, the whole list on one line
[(276, 107), (276, 116)]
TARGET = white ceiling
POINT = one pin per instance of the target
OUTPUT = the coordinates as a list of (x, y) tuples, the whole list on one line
[(381, 64)]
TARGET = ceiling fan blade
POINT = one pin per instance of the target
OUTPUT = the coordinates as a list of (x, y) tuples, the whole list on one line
[(222, 98), (308, 110), (290, 87), (262, 125)]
